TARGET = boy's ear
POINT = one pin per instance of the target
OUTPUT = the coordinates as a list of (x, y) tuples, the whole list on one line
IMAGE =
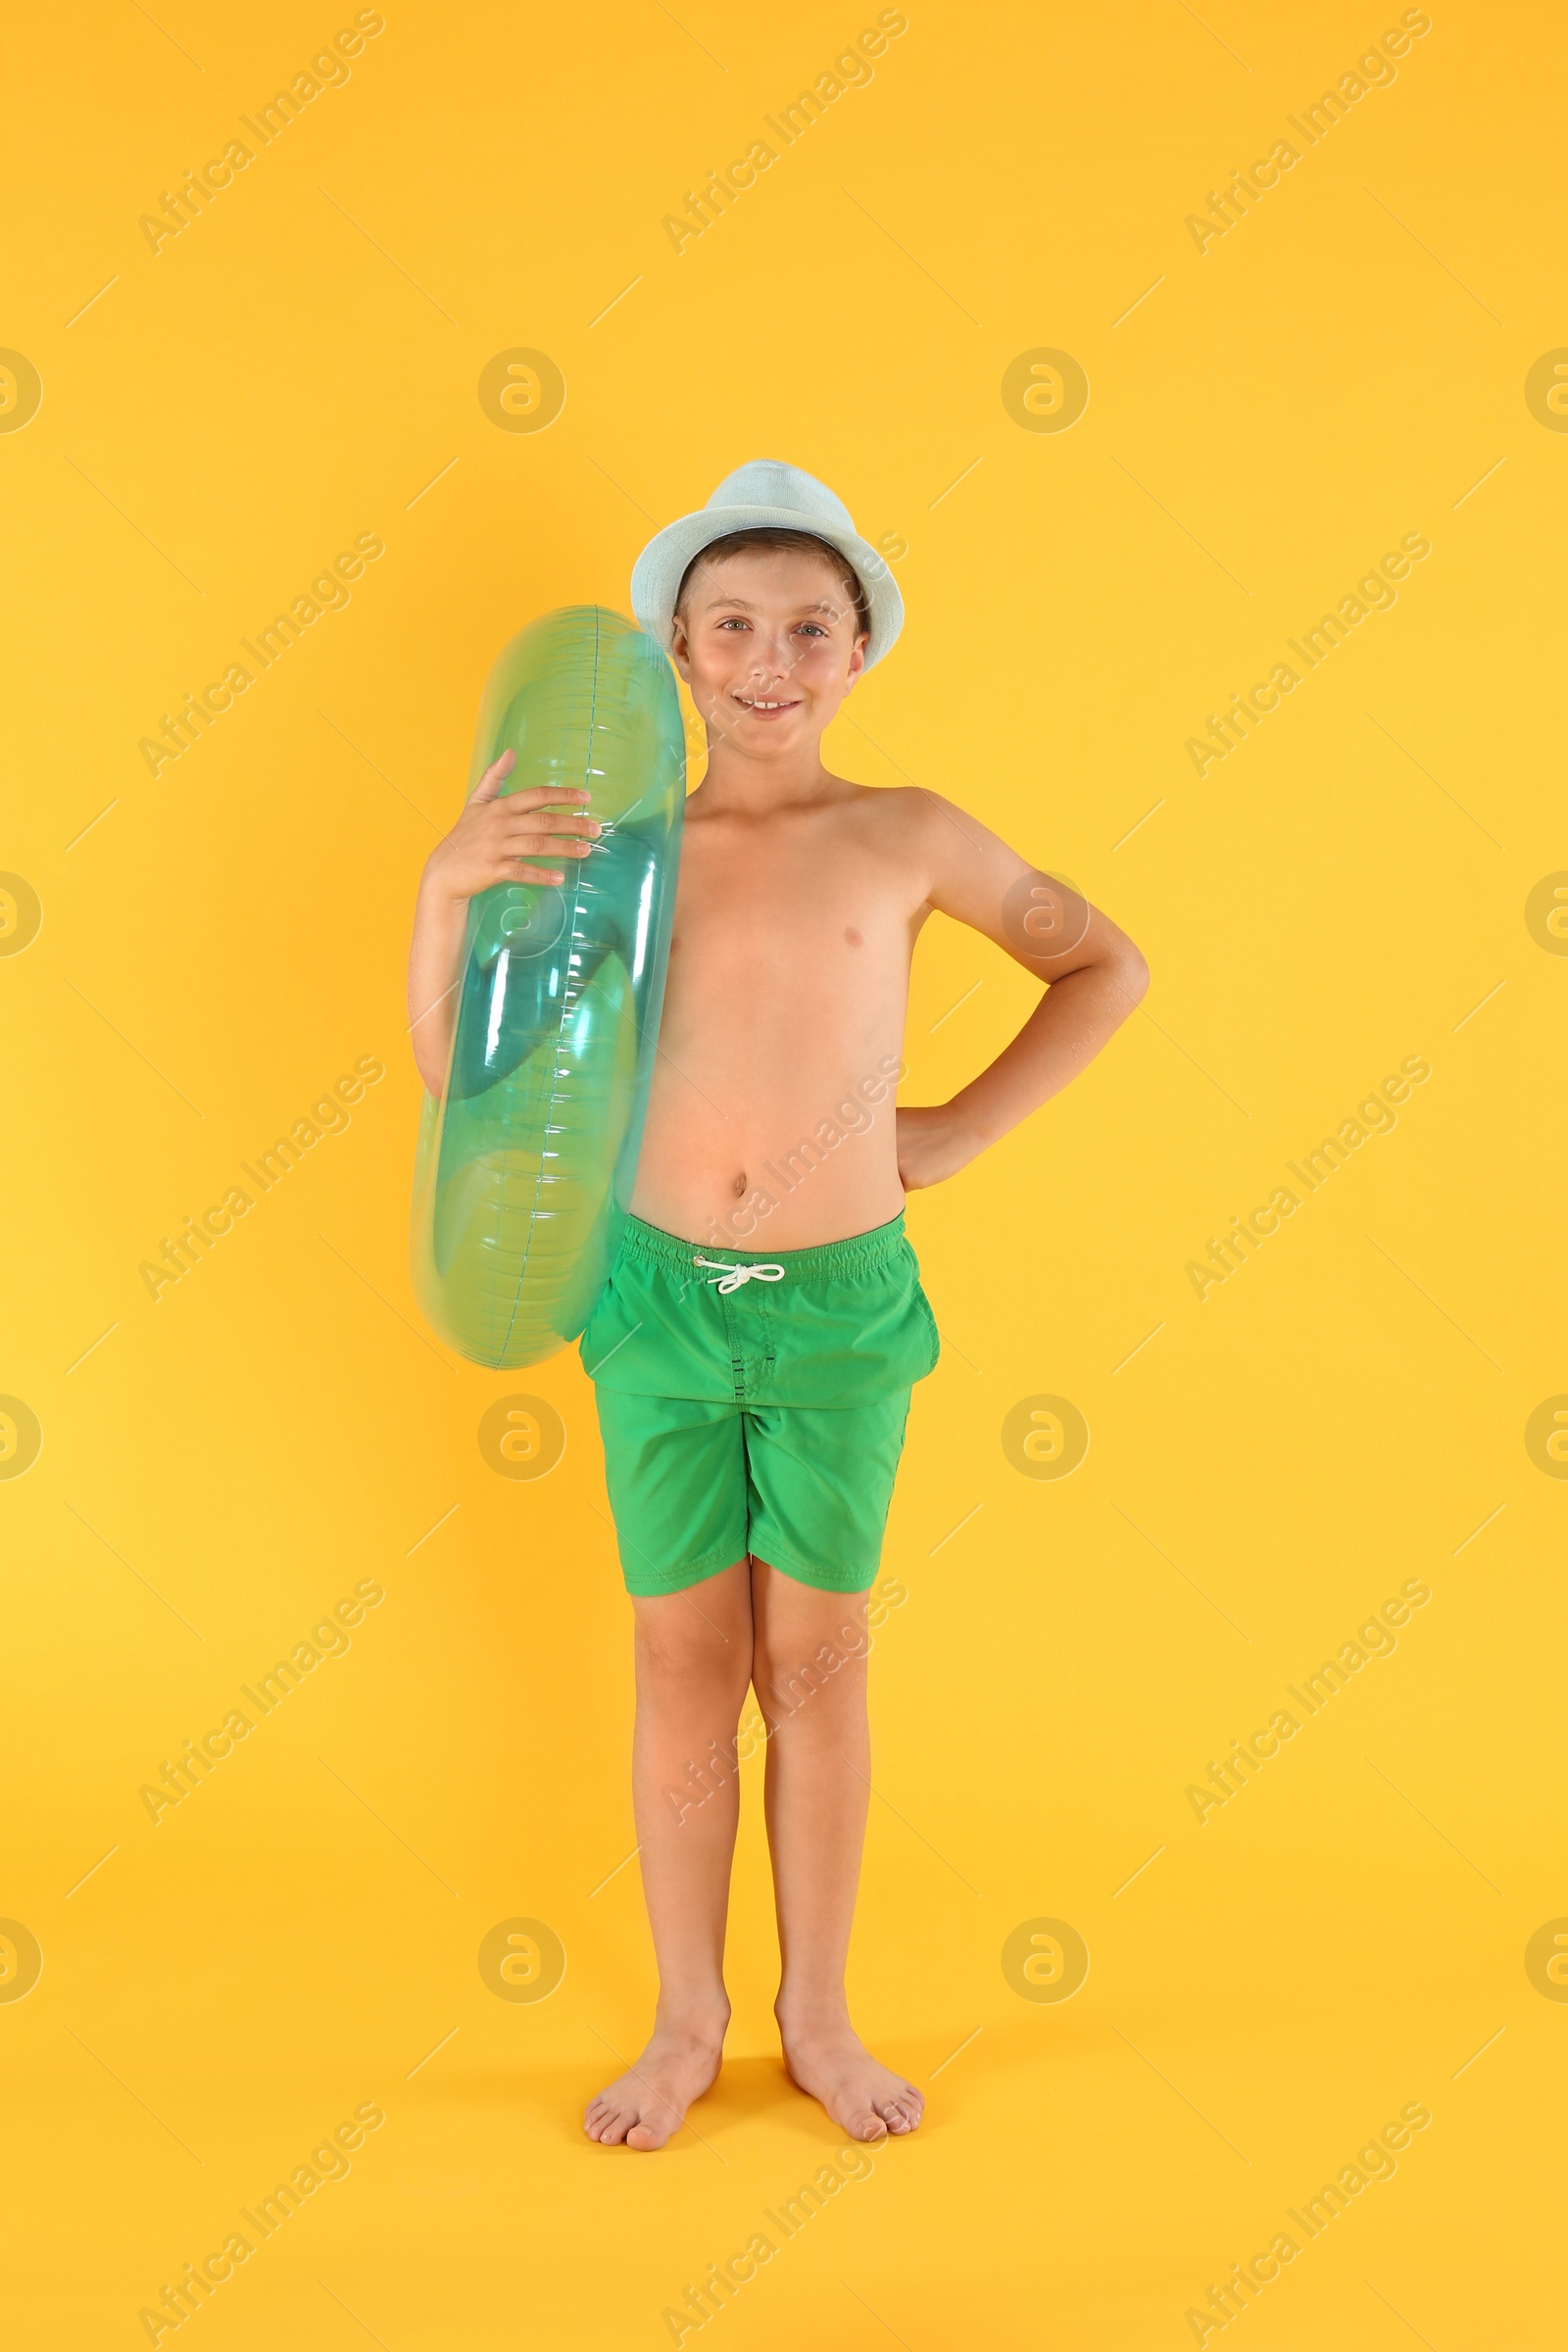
[(679, 651)]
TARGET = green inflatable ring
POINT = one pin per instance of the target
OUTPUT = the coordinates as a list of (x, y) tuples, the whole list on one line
[(524, 1169)]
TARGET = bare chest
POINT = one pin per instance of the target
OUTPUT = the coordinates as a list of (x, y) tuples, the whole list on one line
[(796, 921)]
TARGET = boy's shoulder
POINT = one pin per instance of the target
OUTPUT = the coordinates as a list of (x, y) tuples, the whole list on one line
[(913, 823), (911, 812)]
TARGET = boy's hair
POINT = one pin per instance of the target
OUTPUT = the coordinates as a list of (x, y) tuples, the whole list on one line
[(740, 543)]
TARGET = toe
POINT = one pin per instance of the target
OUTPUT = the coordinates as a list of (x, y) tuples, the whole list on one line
[(646, 2136), (611, 2128), (867, 2125)]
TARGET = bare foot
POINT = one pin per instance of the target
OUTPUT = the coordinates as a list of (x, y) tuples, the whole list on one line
[(866, 2099), (647, 2104)]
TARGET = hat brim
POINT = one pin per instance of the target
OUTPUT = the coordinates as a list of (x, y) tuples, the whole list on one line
[(659, 570)]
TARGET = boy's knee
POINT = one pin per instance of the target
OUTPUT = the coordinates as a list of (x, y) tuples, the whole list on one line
[(684, 1649), (824, 1681), (826, 1640)]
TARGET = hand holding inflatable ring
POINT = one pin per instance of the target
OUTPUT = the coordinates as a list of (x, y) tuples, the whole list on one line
[(526, 1160), (495, 837)]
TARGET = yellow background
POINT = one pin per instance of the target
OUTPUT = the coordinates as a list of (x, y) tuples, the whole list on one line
[(221, 1466)]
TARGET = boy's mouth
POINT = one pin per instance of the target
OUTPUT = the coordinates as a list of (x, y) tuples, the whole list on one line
[(766, 706)]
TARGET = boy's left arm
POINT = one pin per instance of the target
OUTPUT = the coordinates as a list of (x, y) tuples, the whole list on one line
[(1094, 973)]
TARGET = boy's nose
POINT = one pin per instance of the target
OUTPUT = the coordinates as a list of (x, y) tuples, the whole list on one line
[(769, 662)]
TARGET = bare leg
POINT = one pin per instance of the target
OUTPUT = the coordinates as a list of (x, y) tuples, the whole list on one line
[(810, 1669), (694, 1661)]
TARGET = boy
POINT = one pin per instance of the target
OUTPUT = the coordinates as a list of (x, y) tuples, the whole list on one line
[(755, 1348)]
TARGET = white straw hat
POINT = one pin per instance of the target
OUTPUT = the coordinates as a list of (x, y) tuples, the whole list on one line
[(763, 495)]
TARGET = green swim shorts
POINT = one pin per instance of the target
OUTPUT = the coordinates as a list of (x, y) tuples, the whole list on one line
[(755, 1404)]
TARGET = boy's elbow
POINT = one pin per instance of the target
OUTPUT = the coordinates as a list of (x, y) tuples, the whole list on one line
[(1132, 977)]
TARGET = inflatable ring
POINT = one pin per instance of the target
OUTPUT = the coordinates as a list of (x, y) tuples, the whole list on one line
[(524, 1169)]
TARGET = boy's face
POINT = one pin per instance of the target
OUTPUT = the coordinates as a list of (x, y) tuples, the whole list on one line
[(769, 645)]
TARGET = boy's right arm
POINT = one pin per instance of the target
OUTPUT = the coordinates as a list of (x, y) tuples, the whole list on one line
[(496, 839)]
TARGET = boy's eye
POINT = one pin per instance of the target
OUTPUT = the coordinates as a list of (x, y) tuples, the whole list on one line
[(734, 621), (815, 628)]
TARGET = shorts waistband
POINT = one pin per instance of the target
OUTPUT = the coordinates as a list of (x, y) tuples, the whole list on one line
[(860, 1252)]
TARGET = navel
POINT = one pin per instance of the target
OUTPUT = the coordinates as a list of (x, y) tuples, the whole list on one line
[(739, 1186), (854, 936)]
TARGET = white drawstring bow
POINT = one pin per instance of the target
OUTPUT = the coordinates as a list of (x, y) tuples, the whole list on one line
[(730, 1278)]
